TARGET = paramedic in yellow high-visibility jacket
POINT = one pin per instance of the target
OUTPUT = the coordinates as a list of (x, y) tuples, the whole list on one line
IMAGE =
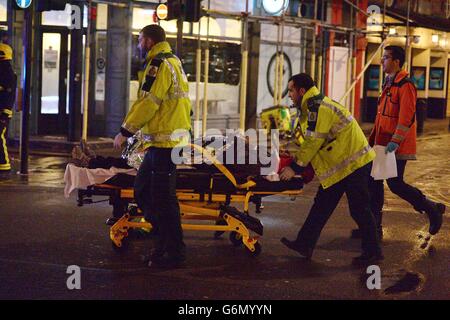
[(338, 151), (162, 108)]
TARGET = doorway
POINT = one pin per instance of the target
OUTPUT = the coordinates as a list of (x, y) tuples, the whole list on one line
[(53, 71)]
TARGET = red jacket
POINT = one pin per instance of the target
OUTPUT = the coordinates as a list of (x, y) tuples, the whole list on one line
[(396, 117)]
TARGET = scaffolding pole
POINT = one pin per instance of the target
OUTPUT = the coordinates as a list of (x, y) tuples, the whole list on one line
[(205, 86), (87, 58), (288, 20), (353, 92), (244, 69), (407, 42), (351, 58), (197, 84), (383, 38), (349, 69), (281, 66), (361, 73), (277, 67), (357, 8), (319, 74), (313, 53)]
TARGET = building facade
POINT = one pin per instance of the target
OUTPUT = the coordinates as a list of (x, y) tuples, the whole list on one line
[(333, 42)]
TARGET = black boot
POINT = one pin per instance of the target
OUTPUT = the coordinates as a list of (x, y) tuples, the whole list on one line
[(293, 245), (367, 259), (434, 211)]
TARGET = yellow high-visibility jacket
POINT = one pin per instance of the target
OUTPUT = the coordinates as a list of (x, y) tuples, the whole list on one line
[(163, 104), (331, 139)]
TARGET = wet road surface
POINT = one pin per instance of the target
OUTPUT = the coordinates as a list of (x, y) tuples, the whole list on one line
[(43, 233)]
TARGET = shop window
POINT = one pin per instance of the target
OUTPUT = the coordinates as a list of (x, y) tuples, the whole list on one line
[(85, 17), (51, 48), (142, 17), (57, 18), (102, 16), (62, 18), (215, 29), (171, 26), (224, 60), (3, 10), (233, 28), (223, 78)]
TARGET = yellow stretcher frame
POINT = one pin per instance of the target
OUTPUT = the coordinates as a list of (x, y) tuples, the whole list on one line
[(192, 209), (207, 208)]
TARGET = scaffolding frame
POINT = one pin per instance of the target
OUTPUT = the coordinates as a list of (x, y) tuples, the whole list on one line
[(282, 22)]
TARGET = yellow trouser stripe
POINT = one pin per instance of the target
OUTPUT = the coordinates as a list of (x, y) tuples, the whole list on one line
[(7, 111), (7, 165)]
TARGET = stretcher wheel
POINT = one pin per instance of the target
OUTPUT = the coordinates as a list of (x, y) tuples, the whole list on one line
[(217, 234), (125, 244), (235, 238), (257, 251)]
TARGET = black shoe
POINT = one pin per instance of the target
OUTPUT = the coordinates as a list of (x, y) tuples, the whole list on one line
[(157, 253), (356, 233), (435, 212), (367, 259), (111, 221), (170, 262), (305, 252)]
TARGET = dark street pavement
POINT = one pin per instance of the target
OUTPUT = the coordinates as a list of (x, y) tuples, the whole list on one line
[(42, 233)]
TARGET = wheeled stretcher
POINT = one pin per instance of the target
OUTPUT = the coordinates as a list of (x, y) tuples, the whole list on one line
[(204, 197)]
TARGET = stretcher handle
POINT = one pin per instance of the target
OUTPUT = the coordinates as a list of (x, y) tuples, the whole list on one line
[(223, 169)]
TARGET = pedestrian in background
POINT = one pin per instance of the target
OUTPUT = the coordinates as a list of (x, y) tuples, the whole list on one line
[(395, 128)]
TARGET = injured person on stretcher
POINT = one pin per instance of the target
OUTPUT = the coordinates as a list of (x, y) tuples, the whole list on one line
[(206, 189)]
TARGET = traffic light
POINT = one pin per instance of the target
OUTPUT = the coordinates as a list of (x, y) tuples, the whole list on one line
[(188, 10), (192, 10), (174, 9), (48, 5)]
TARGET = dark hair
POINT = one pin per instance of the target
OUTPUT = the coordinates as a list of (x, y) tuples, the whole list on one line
[(154, 32), (397, 54), (302, 80)]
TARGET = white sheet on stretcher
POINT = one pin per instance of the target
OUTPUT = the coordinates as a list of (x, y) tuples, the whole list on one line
[(80, 178)]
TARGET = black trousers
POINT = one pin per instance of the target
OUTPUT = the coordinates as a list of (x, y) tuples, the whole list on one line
[(398, 186), (155, 194), (5, 165), (355, 186)]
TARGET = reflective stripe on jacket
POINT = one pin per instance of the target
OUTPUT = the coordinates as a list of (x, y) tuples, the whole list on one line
[(396, 120), (333, 142), (163, 106)]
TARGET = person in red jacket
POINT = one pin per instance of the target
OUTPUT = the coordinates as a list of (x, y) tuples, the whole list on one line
[(395, 128)]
